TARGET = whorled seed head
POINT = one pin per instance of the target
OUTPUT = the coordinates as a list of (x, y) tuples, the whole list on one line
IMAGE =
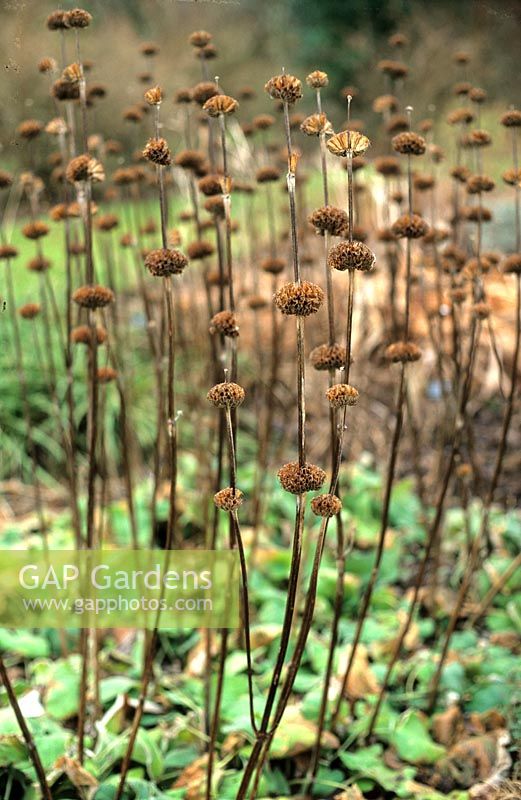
[(29, 310), (512, 177), (84, 168), (220, 104), (328, 356), (350, 255), (347, 142), (317, 79), (341, 395), (410, 226), (329, 219), (284, 87), (476, 213), (154, 96), (225, 323), (93, 296), (6, 179), (107, 374), (165, 262), (158, 152), (299, 299), (38, 264), (190, 159), (263, 121), (385, 102), (84, 334), (402, 352), (300, 479), (316, 124), (29, 129), (267, 175), (199, 249), (511, 119), (395, 69), (273, 265), (57, 20), (228, 499), (8, 251), (512, 264), (387, 165), (200, 38), (35, 230), (481, 310), (107, 222), (226, 395), (326, 505), (203, 91), (78, 18), (210, 185), (409, 143)]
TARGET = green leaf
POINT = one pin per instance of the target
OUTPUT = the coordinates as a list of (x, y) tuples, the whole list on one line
[(413, 742)]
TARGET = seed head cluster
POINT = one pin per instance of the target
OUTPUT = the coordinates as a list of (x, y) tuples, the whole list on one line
[(300, 479), (226, 395), (299, 299)]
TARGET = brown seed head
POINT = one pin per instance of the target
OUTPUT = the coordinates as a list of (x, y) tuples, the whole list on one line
[(397, 123), (512, 177), (29, 129), (351, 255), (317, 79), (299, 299), (84, 334), (263, 121), (6, 179), (215, 206), (422, 183), (409, 143), (395, 69), (38, 264), (460, 173), (341, 395), (384, 103), (387, 165), (480, 138), (107, 222), (402, 352), (316, 124), (274, 266), (512, 264), (200, 38), (300, 479), (326, 505), (480, 183), (329, 218), (256, 302), (228, 499), (154, 96), (410, 226), (461, 57), (8, 251), (149, 49), (78, 18), (477, 95), (284, 87), (93, 296), (476, 214), (29, 310), (398, 40), (57, 21), (84, 168), (220, 104), (190, 159), (106, 374), (72, 73), (347, 143), (65, 90), (512, 118), (328, 356), (226, 395), (210, 185), (204, 91), (158, 152), (481, 310), (163, 262), (462, 88), (225, 323), (35, 230), (199, 249), (267, 175)]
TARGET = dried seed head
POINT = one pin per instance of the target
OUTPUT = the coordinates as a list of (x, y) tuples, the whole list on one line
[(163, 262), (437, 153), (93, 296), (512, 177), (385, 235), (351, 255), (300, 479), (215, 206), (481, 310), (190, 159), (395, 69), (57, 21), (387, 165), (225, 323), (477, 95), (29, 310), (226, 395), (158, 152), (8, 251), (267, 175), (284, 87), (149, 49), (200, 38), (402, 352), (458, 296), (107, 222), (72, 73), (65, 90), (220, 104), (480, 183), (512, 118), (203, 91), (78, 18), (35, 230), (326, 505), (199, 249), (397, 123), (84, 168), (409, 143), (512, 264), (460, 173), (410, 226), (263, 121), (38, 264), (347, 143), (84, 334), (476, 214), (299, 299), (106, 374), (398, 40), (56, 127), (274, 266), (6, 179), (210, 185), (154, 96), (480, 138), (316, 124), (424, 182), (384, 103), (328, 356), (462, 88), (341, 395), (228, 499), (461, 57), (317, 79), (133, 114), (329, 218), (29, 129)]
